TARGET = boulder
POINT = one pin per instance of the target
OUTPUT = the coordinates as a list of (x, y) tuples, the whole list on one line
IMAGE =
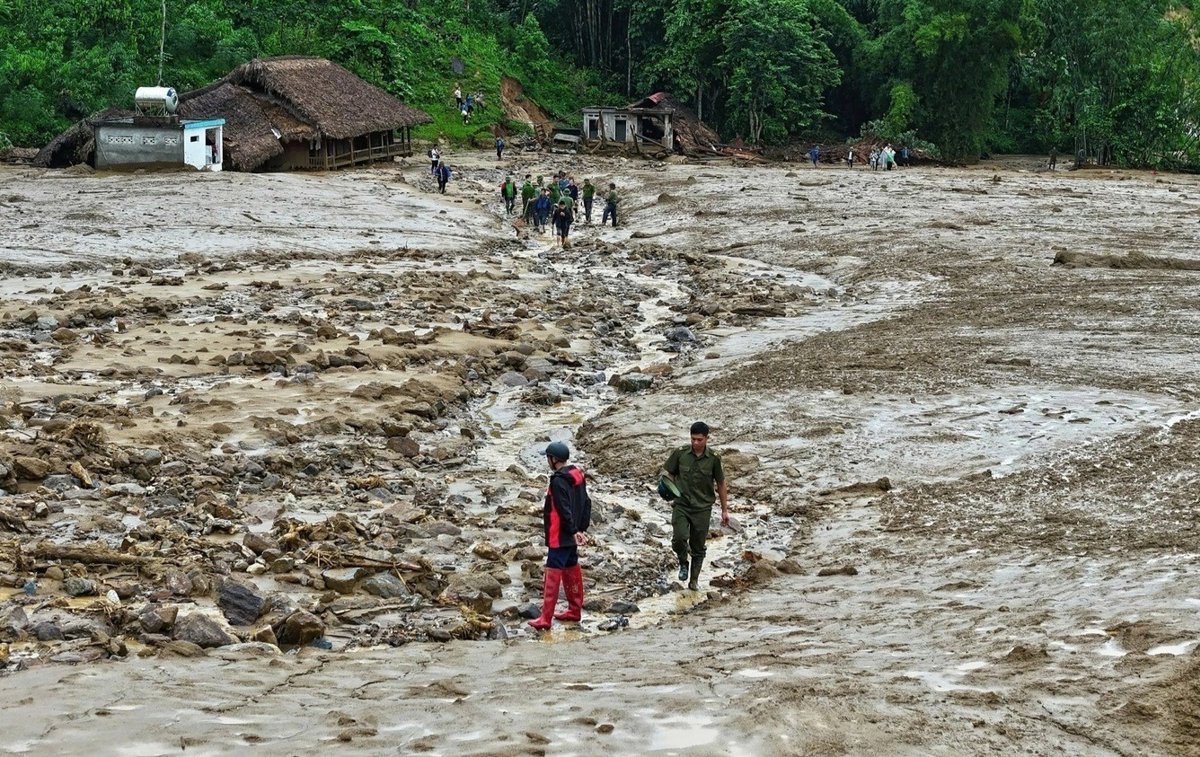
[(202, 631), (386, 586), (300, 627), (241, 603), (343, 580)]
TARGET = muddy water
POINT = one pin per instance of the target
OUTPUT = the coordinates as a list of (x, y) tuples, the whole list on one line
[(1024, 581)]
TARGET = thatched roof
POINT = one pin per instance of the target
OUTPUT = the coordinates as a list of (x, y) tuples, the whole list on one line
[(251, 122), (76, 144), (329, 97), (691, 134)]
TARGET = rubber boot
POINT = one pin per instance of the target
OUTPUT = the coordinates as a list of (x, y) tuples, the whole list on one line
[(573, 586), (683, 568), (694, 575), (549, 598)]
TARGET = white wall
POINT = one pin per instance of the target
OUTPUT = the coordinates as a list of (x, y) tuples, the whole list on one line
[(194, 149)]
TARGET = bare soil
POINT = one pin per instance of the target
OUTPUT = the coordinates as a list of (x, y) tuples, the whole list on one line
[(961, 435)]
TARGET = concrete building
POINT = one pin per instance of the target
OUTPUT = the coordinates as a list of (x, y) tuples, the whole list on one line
[(159, 141), (633, 126), (655, 123)]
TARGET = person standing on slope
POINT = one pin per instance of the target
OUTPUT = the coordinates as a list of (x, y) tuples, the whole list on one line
[(699, 475)]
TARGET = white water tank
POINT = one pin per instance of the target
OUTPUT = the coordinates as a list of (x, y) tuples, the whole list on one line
[(156, 99)]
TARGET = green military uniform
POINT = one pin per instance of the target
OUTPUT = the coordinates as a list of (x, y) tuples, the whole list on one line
[(589, 191), (527, 193), (691, 514)]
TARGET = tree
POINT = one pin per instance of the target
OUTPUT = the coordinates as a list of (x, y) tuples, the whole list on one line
[(777, 65)]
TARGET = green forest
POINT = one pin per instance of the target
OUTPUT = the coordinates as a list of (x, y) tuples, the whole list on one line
[(1118, 80)]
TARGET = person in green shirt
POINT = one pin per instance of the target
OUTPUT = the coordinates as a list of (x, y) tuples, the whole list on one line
[(589, 192), (610, 206), (527, 195), (508, 191), (697, 472), (555, 193)]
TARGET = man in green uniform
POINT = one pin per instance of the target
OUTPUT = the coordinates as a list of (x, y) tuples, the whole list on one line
[(527, 195), (589, 192), (700, 477)]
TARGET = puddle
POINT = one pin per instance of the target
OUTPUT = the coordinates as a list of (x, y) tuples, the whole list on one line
[(1177, 649)]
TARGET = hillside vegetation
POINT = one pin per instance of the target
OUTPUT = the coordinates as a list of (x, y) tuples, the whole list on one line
[(1117, 81)]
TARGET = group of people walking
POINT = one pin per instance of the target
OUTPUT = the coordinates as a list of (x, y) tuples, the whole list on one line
[(467, 105), (693, 481), (557, 203)]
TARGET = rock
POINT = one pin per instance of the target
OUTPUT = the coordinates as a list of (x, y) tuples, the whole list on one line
[(14, 621), (79, 587), (342, 580), (241, 603), (439, 634), (257, 544), (64, 336), (47, 631), (631, 382), (266, 635), (158, 618), (202, 631), (54, 573), (845, 570), (386, 586), (762, 571), (127, 489), (178, 583), (622, 607), (512, 378), (360, 305), (404, 445), (680, 334), (486, 551), (30, 468), (148, 456), (300, 627), (59, 482), (180, 649), (529, 611), (789, 567), (475, 590)]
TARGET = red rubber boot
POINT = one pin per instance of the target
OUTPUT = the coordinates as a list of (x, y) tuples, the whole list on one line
[(554, 577), (573, 585)]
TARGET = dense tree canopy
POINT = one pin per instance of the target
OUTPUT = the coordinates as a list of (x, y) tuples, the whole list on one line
[(1115, 80)]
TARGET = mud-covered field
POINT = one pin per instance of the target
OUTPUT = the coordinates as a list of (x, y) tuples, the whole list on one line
[(272, 473)]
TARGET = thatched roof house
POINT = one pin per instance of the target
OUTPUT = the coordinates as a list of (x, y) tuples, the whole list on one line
[(300, 112), (283, 113)]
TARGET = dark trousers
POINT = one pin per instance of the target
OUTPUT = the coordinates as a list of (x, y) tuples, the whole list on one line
[(509, 204), (562, 557), (587, 209), (500, 153), (441, 185), (689, 530), (528, 211), (609, 209)]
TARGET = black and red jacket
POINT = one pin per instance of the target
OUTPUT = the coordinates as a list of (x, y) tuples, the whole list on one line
[(568, 508)]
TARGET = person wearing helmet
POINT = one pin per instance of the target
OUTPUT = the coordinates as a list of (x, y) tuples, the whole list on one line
[(566, 515), (699, 477)]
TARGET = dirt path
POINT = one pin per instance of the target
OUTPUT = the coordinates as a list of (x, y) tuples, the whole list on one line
[(990, 457)]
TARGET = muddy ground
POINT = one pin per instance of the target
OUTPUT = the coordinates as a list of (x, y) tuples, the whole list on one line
[(272, 473)]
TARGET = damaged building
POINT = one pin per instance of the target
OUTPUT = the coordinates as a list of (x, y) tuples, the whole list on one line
[(656, 123)]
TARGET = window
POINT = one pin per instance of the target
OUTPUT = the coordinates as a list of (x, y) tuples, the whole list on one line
[(194, 139)]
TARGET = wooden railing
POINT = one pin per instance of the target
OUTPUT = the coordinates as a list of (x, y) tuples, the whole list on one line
[(356, 157)]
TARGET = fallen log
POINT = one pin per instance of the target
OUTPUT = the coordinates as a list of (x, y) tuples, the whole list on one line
[(90, 555)]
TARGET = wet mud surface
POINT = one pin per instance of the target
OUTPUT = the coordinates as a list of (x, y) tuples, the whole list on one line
[(276, 480)]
